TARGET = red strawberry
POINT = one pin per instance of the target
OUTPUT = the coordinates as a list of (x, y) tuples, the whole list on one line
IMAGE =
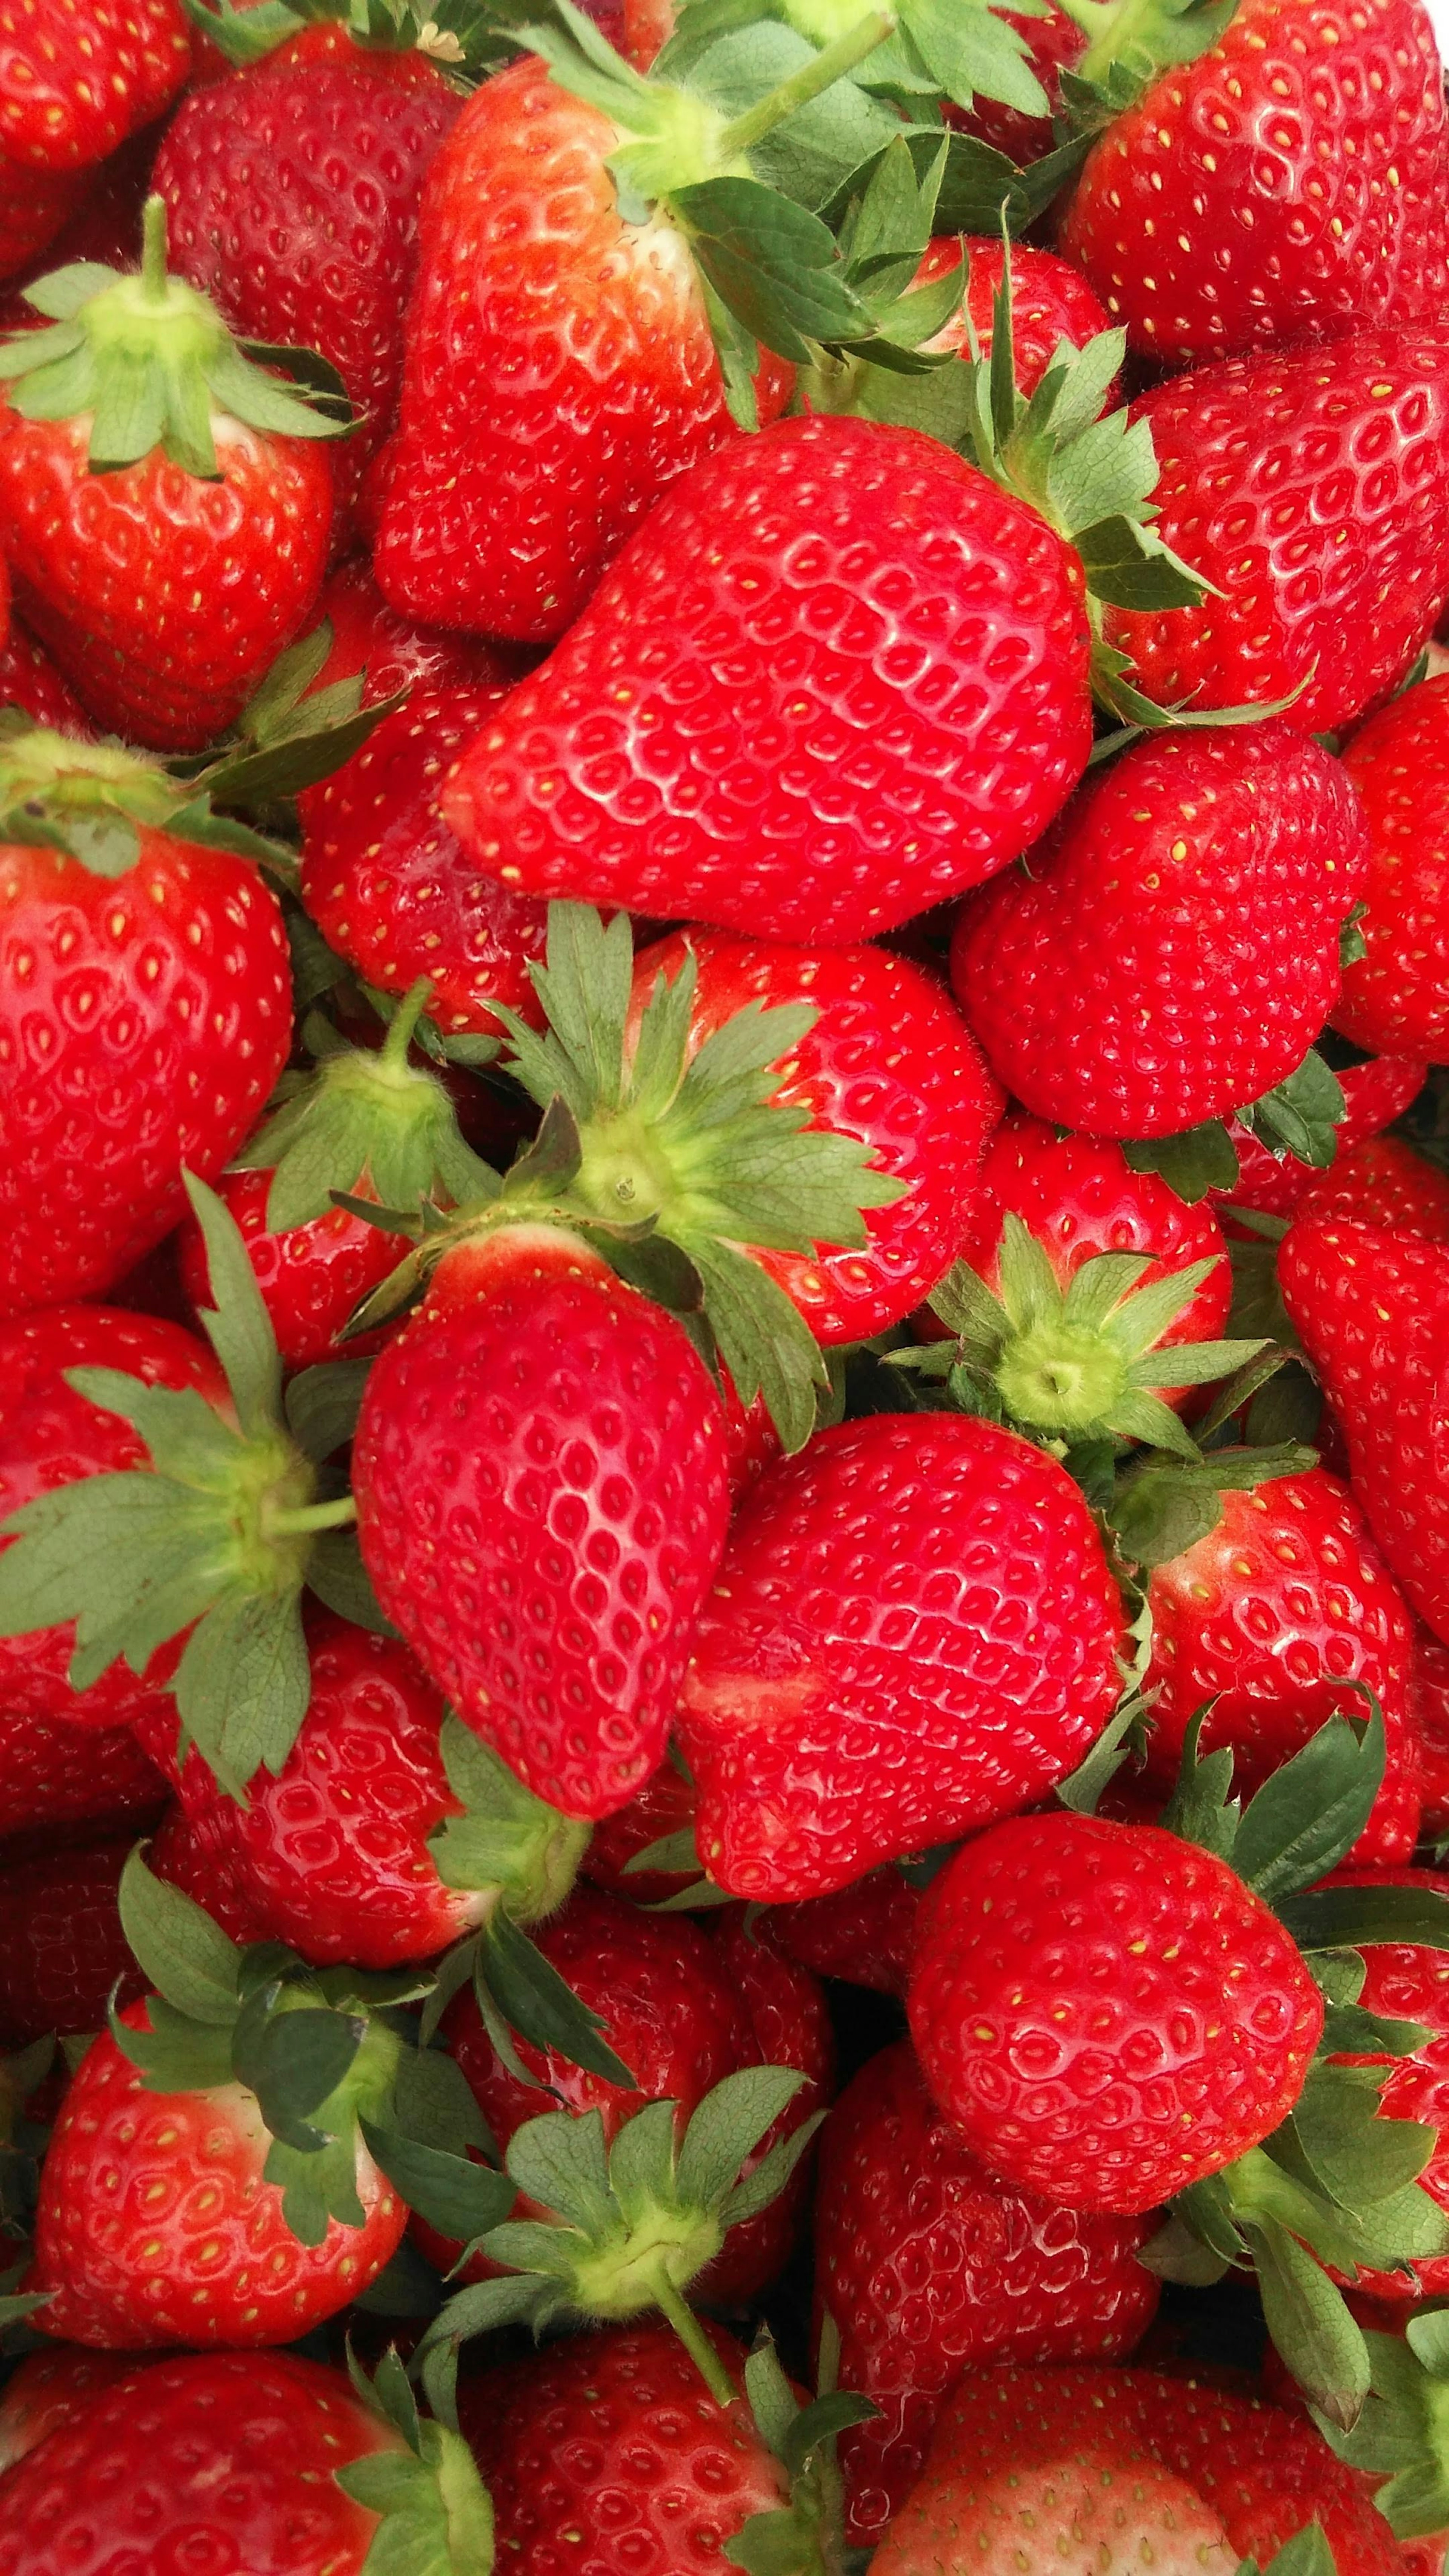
[(195, 1849), (556, 380), (388, 884), (929, 2268), (225, 500), (61, 1944), (1433, 1705), (663, 1807), (51, 1436), (145, 1013), (1117, 2469), (35, 205), (1384, 1183), (864, 1934), (311, 1276), (1407, 1981), (293, 193), (76, 77), (854, 784), (889, 1060), (1173, 950), (1372, 1312), (1397, 997), (54, 2388), (1312, 489), (29, 680), (1374, 1093), (236, 2461), (1262, 1622), (914, 1631), (1050, 301), (1054, 43), (389, 653), (69, 1783), (546, 1564), (104, 224), (1288, 184), (1107, 2013)]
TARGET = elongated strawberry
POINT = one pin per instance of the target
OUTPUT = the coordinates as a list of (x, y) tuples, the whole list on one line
[(62, 1948), (862, 1682), (1372, 1311), (1397, 996), (1309, 487), (145, 1010), (1374, 1094), (1174, 949), (79, 77), (929, 2268), (1263, 1623), (138, 434), (546, 1569)]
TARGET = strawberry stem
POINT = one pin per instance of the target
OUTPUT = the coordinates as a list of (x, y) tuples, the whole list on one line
[(312, 1516), (153, 251), (692, 2335), (812, 78), (402, 1027)]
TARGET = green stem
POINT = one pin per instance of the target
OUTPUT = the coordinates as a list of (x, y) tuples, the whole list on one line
[(312, 1516), (1110, 26), (827, 68), (153, 250), (693, 2337), (402, 1027)]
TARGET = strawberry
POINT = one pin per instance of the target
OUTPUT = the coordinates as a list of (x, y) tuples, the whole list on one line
[(145, 1009), (662, 1811), (1432, 1668), (1270, 1621), (311, 1275), (928, 2268), (136, 433), (35, 205), (51, 2388), (389, 653), (818, 825), (1054, 44), (1397, 996), (1173, 950), (1051, 301), (595, 1421), (1289, 183), (67, 1782), (388, 885), (1071, 2066), (1383, 1183), (1374, 1093), (1371, 1309), (61, 1944), (1407, 1982), (30, 681), (195, 1848), (267, 2462), (1120, 2468), (292, 191), (864, 1934), (1310, 488), (914, 1630), (79, 76)]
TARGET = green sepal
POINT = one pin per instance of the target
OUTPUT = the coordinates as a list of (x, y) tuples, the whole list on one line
[(1307, 1814), (1402, 2434), (801, 2537), (1343, 1918), (1301, 1115), (436, 2515), (1200, 1159), (290, 735), (1163, 1506), (1128, 47)]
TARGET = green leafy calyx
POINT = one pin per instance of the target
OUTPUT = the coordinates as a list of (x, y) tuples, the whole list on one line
[(436, 2515)]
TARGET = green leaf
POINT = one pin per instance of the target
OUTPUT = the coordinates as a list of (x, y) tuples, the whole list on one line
[(1358, 2156), (772, 263), (559, 2161), (187, 1956), (237, 1324), (726, 2128), (1342, 1918), (244, 1683), (1082, 1789), (541, 2005), (1309, 2324), (1302, 1115), (336, 1573), (462, 2200), (322, 1405), (1201, 1159), (1312, 1809), (1201, 1809)]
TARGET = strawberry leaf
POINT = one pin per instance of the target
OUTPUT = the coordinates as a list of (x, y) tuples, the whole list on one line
[(1310, 2326), (1313, 1808), (187, 1956)]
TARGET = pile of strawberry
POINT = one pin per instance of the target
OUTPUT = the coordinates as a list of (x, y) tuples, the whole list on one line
[(724, 1288)]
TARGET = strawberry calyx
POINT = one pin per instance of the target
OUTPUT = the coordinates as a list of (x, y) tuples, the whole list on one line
[(457, 35), (1128, 43), (803, 2537), (632, 2224), (152, 363), (436, 2517), (1402, 2435), (216, 1540), (93, 800), (334, 2062)]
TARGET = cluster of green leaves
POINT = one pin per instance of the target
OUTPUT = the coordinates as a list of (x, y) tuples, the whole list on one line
[(436, 2517)]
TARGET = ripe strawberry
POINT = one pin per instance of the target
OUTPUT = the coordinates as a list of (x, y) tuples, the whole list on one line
[(929, 2268), (1384, 1183), (195, 1848), (1050, 302), (1262, 1622), (145, 1013), (106, 201), (30, 681), (388, 885), (1312, 489), (1374, 1093), (1288, 184), (311, 1275), (67, 1783), (819, 825), (293, 193), (1372, 1312), (62, 1948), (389, 653), (262, 2461), (1432, 1664), (52, 2388), (1121, 2468), (663, 1808), (50, 1437), (864, 1934), (1173, 951), (1107, 2013), (137, 434), (1397, 997), (79, 77), (593, 1423), (35, 205), (914, 1631)]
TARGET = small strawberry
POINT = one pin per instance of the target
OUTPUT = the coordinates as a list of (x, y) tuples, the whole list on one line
[(1174, 948), (1277, 1619), (1054, 43), (1051, 301), (1287, 184), (1372, 1312), (388, 652), (1374, 1094), (914, 1630), (864, 1934), (69, 1783), (261, 2461), (1311, 488), (388, 884), (1397, 996), (62, 1949), (1383, 1183), (928, 2268), (145, 1009), (138, 434), (79, 77), (311, 1275)]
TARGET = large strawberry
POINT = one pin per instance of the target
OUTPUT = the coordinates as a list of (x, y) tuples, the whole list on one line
[(914, 1630), (1287, 184), (166, 502), (1310, 488), (1169, 956), (929, 2268), (1372, 1311), (76, 81), (1397, 996), (145, 1010), (267, 2462)]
